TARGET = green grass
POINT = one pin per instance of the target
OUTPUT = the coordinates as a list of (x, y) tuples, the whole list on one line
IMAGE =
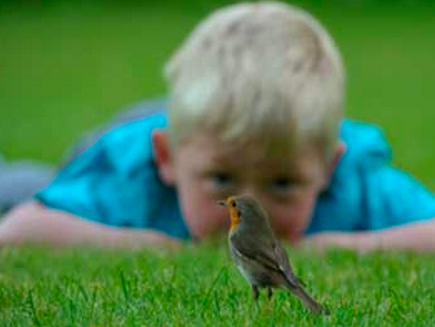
[(201, 287), (67, 66)]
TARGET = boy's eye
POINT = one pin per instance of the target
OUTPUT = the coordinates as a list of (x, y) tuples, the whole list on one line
[(221, 179), (282, 184)]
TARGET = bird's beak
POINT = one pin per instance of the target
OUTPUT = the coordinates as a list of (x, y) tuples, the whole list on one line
[(222, 203)]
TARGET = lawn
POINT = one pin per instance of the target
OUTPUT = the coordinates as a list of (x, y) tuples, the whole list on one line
[(199, 286), (67, 66)]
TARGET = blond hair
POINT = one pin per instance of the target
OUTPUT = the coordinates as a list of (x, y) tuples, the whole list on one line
[(257, 71)]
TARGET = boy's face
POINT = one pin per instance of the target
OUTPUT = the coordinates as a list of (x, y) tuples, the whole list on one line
[(204, 171)]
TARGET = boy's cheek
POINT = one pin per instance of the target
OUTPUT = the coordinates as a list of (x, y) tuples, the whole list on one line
[(204, 218)]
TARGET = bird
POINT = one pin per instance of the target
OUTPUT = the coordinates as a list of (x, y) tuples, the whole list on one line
[(259, 255)]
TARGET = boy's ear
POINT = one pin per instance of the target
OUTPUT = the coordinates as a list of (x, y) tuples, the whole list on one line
[(339, 151), (162, 156)]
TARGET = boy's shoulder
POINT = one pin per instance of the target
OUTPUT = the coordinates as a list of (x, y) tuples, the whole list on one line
[(135, 121), (366, 192), (129, 144), (365, 143)]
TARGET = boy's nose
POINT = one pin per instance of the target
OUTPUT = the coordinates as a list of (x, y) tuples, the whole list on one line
[(249, 190)]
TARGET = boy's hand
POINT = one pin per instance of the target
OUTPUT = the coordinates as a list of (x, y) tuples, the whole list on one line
[(34, 223), (417, 236), (360, 241)]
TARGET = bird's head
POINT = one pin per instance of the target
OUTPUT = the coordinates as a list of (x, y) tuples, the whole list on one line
[(245, 210)]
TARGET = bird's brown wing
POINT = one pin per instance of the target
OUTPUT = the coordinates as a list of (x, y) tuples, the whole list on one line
[(268, 253), (284, 263)]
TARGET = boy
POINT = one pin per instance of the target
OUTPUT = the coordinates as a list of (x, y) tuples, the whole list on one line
[(255, 107)]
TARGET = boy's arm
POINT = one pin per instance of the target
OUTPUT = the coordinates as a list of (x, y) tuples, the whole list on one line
[(397, 213), (416, 236), (35, 223)]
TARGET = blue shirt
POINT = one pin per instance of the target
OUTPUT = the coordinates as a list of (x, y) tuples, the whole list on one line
[(115, 182)]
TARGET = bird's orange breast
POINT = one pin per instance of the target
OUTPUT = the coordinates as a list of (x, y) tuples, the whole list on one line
[(234, 217)]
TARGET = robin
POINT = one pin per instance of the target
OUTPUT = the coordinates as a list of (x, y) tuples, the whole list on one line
[(258, 254)]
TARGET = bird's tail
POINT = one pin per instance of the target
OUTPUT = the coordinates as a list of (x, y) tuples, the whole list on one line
[(308, 301)]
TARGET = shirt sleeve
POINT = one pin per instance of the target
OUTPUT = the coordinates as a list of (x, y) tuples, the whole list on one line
[(107, 183), (366, 191), (116, 182), (391, 197)]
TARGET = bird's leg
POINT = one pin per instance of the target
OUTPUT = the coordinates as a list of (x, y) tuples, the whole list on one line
[(255, 292), (269, 293)]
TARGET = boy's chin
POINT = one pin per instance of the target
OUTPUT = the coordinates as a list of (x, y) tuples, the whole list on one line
[(198, 230), (212, 234), (292, 238)]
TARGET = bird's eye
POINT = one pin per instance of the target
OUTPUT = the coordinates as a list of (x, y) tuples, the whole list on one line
[(233, 203)]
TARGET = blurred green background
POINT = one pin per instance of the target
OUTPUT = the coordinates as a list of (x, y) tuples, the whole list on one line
[(67, 66)]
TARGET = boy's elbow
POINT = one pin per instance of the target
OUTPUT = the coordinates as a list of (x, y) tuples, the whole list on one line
[(17, 224), (33, 223)]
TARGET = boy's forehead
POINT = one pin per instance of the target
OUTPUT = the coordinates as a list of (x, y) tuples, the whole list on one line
[(264, 154), (219, 150)]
